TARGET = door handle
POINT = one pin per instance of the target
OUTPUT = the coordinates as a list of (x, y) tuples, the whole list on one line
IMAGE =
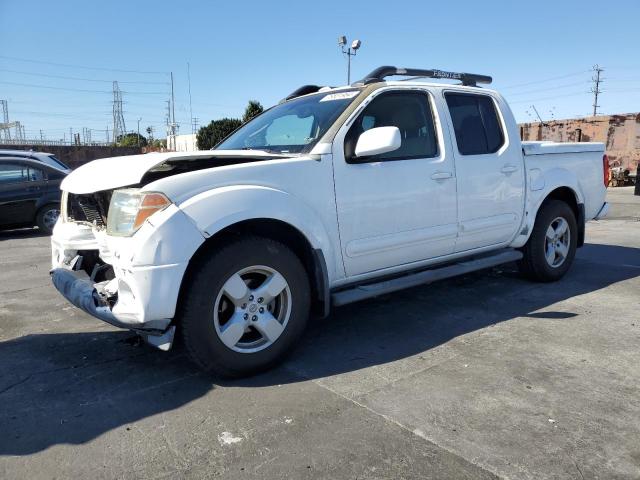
[(441, 175), (508, 168)]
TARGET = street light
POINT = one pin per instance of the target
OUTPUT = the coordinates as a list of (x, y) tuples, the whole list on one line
[(349, 52)]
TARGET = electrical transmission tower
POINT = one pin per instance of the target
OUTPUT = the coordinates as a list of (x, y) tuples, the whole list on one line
[(119, 127), (596, 87), (6, 126)]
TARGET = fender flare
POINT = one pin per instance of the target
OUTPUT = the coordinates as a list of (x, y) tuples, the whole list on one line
[(219, 208)]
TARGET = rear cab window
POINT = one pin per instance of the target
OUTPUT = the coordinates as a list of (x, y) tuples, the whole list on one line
[(476, 123)]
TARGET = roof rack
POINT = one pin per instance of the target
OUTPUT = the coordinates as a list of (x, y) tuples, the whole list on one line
[(303, 90), (380, 73)]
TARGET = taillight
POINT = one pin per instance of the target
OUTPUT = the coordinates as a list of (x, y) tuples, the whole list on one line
[(605, 170)]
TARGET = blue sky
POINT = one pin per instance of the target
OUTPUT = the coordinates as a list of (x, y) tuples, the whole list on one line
[(538, 52)]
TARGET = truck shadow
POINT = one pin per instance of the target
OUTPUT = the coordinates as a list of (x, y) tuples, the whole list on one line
[(69, 388)]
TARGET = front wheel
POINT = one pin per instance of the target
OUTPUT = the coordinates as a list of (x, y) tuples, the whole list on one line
[(47, 218), (245, 307), (551, 248)]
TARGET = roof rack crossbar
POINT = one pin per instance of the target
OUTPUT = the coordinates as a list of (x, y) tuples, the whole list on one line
[(380, 73)]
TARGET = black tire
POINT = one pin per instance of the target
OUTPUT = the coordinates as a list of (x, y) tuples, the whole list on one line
[(534, 264), (196, 320), (43, 217)]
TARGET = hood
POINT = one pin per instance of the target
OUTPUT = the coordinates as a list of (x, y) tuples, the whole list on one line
[(115, 172)]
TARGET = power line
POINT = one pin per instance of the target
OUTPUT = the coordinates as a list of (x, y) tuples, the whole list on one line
[(549, 98), (133, 82), (548, 88), (81, 66), (536, 82), (77, 89)]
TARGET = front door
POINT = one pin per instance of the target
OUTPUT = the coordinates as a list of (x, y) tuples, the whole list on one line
[(399, 207)]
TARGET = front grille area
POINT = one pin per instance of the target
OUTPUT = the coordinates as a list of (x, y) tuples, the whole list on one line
[(91, 208)]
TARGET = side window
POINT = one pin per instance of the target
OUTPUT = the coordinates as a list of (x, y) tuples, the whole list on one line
[(35, 174), (475, 122), (13, 174), (410, 112)]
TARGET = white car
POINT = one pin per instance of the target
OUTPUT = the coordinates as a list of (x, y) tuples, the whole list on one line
[(332, 196)]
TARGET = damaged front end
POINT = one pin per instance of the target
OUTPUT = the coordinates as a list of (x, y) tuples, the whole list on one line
[(130, 281)]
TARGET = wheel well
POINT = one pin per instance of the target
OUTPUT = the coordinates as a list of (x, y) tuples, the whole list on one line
[(566, 195), (281, 232)]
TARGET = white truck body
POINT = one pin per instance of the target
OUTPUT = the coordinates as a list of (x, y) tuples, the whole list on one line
[(362, 221)]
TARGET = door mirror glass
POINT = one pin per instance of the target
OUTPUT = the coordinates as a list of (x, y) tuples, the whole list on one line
[(377, 141)]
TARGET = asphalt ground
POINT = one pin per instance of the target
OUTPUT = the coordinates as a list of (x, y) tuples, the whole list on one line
[(482, 376)]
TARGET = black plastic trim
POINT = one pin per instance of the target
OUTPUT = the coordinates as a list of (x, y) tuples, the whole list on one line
[(581, 224), (322, 281)]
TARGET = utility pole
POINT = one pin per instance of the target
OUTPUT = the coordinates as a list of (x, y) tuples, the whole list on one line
[(172, 120), (596, 87), (349, 52), (190, 108), (139, 131), (537, 114)]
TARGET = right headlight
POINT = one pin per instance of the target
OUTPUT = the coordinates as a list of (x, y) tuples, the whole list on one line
[(130, 207)]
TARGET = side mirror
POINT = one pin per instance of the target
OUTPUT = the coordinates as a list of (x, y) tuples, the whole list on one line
[(378, 140)]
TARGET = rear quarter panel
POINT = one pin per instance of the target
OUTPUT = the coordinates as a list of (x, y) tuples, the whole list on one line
[(581, 171)]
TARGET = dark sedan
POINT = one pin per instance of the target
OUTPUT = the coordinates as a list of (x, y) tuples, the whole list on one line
[(29, 193)]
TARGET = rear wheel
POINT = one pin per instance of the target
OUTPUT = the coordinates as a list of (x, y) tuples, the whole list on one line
[(47, 217), (245, 307), (549, 253)]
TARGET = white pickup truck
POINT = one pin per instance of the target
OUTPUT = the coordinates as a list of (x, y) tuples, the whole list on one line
[(332, 196)]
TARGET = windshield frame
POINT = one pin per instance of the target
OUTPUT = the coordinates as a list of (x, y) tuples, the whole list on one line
[(296, 149)]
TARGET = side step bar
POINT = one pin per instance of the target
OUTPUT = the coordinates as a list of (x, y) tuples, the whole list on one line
[(362, 292)]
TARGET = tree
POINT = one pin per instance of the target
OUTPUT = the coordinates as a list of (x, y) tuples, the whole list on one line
[(131, 140), (253, 108), (210, 135)]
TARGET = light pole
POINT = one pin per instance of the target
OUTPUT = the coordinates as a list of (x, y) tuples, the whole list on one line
[(349, 52), (139, 131)]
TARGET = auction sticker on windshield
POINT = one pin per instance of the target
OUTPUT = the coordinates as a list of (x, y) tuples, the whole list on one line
[(339, 96)]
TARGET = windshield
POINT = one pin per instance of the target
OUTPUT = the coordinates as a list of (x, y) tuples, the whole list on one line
[(291, 127)]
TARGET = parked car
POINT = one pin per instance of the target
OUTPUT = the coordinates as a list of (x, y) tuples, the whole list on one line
[(332, 196), (29, 193), (46, 158)]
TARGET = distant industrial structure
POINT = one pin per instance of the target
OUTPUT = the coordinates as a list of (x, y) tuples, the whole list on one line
[(6, 127), (183, 143), (620, 133)]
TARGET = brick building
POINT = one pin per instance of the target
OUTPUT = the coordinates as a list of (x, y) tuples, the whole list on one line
[(621, 133)]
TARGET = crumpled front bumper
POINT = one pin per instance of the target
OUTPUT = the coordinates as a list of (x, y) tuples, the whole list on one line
[(76, 286)]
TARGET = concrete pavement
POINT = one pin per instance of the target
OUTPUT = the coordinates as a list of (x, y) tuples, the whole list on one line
[(482, 376)]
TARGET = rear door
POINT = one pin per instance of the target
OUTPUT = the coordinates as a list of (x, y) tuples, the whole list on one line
[(489, 171), (21, 185), (399, 207)]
